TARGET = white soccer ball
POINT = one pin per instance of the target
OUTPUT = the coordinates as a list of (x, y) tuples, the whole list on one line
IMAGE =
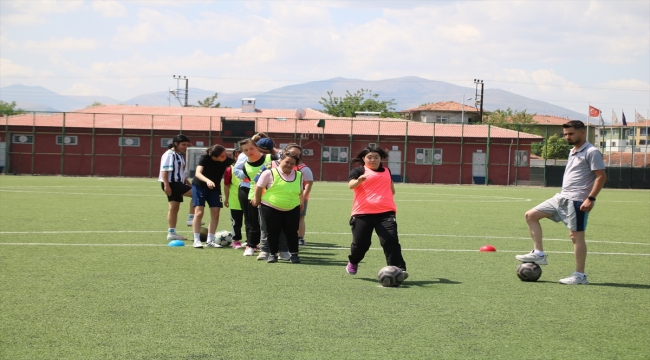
[(223, 238)]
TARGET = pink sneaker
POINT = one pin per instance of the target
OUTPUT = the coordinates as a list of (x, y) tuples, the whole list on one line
[(351, 268), (236, 245)]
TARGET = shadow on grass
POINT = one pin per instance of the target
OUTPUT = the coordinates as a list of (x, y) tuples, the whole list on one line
[(409, 283), (629, 286), (317, 254)]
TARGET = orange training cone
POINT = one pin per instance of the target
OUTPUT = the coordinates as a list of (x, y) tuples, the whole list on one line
[(487, 248)]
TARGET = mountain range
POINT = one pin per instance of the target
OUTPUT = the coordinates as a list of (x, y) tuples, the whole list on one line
[(407, 92)]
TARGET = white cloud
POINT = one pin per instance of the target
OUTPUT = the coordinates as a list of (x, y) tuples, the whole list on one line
[(8, 68), (109, 9), (63, 44), (32, 12), (82, 89)]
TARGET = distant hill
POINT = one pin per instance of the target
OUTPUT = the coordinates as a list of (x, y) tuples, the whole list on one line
[(408, 92)]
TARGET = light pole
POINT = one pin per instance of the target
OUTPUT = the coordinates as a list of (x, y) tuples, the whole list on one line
[(462, 110), (480, 114)]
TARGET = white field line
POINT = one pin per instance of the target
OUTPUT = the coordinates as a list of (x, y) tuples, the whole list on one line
[(311, 232), (319, 248)]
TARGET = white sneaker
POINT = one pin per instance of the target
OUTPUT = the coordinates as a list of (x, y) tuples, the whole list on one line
[(213, 244), (285, 255), (263, 255), (249, 251), (575, 279), (531, 257), (190, 223), (175, 236), (198, 244)]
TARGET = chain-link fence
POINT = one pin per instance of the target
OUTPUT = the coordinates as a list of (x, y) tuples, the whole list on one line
[(119, 144)]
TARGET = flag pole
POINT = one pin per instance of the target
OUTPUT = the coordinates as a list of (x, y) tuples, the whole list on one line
[(588, 117)]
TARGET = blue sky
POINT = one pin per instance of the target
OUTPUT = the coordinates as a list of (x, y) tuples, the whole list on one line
[(569, 53)]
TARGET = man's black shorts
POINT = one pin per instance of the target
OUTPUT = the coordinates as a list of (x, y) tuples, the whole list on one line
[(178, 189)]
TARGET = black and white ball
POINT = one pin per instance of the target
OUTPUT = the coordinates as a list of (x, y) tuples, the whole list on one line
[(390, 276), (529, 272), (223, 238)]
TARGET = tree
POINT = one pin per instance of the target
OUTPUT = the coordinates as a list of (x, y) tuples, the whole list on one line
[(209, 101), (362, 100), (513, 120), (556, 147), (95, 103), (8, 109)]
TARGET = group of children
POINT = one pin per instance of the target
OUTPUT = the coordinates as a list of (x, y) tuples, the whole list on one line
[(266, 187)]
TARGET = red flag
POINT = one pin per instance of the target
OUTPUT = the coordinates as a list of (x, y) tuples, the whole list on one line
[(593, 112)]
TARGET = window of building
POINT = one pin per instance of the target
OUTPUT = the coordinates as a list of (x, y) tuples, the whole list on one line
[(166, 141), (129, 141), (644, 131), (521, 158), (428, 156), (69, 140), (641, 142), (442, 118), (22, 139), (335, 154)]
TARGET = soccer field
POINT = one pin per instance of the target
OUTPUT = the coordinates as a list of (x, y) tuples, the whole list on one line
[(85, 273)]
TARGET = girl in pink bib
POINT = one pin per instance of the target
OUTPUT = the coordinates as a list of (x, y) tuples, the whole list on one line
[(373, 208)]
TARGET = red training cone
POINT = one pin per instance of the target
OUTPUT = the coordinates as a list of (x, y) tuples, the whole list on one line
[(487, 248)]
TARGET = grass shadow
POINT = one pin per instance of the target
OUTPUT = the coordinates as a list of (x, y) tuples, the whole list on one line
[(629, 286), (409, 283)]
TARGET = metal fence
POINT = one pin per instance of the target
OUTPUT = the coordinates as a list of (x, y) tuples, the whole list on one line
[(109, 144)]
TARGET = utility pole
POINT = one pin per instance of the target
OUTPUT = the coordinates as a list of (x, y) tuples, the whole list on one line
[(479, 98), (180, 91)]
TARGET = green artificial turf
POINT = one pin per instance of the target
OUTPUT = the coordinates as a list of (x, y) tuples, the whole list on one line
[(85, 273)]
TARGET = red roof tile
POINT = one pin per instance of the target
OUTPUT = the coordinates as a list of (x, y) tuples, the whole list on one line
[(204, 119), (442, 106)]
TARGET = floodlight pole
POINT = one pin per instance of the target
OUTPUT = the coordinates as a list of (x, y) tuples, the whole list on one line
[(178, 89), (479, 82)]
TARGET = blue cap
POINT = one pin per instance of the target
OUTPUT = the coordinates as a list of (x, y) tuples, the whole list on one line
[(265, 144)]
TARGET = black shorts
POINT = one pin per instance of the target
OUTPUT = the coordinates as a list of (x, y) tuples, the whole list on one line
[(178, 189)]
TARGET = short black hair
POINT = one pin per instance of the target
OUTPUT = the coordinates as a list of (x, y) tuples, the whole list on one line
[(576, 124), (379, 151)]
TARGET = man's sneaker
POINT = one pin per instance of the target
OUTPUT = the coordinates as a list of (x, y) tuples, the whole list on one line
[(236, 245), (352, 268), (175, 236), (294, 259), (198, 244), (285, 255), (213, 244), (272, 259), (575, 279), (301, 241), (406, 275), (249, 251), (531, 257), (263, 255)]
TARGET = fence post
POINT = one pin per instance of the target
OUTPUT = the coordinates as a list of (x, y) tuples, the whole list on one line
[(210, 133), (406, 138), (322, 146), (121, 144), (350, 150), (487, 157), (92, 149), (7, 145), (515, 157), (433, 151), (462, 138), (545, 155), (63, 146), (33, 141), (151, 149)]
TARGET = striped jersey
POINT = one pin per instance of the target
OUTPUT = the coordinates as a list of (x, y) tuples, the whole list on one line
[(174, 164)]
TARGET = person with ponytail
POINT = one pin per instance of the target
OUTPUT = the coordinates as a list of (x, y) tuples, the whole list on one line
[(373, 208), (206, 187), (174, 184)]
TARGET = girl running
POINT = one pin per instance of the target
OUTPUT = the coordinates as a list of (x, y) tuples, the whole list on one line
[(206, 187), (373, 208)]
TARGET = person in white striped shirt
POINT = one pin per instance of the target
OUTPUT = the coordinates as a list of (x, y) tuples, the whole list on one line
[(174, 183)]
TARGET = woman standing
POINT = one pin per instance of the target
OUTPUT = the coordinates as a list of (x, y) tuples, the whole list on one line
[(206, 187), (281, 204), (373, 209), (174, 183)]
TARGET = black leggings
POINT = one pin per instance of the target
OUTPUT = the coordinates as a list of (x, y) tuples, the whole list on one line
[(251, 218), (385, 225), (237, 218), (278, 221)]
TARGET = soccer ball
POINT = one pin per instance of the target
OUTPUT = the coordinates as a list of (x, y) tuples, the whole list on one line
[(390, 276), (223, 238), (529, 272), (204, 234)]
